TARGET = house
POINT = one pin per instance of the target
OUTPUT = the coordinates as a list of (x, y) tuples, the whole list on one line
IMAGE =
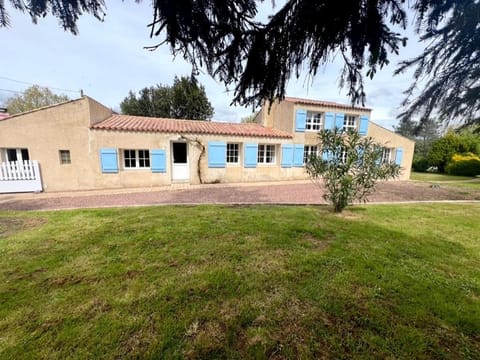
[(81, 144)]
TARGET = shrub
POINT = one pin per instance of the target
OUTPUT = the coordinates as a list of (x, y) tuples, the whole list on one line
[(464, 165), (349, 167), (420, 164)]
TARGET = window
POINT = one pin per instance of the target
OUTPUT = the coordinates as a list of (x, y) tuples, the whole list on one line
[(232, 153), (350, 122), (308, 151), (266, 154), (314, 121), (65, 157), (343, 156), (15, 154), (136, 159), (386, 155)]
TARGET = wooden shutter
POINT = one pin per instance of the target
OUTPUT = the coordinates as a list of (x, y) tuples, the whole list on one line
[(109, 160), (329, 121), (300, 120), (363, 129), (158, 161), (298, 155), (251, 153), (399, 156), (217, 154)]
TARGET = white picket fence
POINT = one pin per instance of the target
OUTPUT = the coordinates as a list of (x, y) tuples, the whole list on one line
[(20, 176)]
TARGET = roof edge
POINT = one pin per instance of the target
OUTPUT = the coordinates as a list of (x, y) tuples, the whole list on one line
[(45, 108), (325, 103)]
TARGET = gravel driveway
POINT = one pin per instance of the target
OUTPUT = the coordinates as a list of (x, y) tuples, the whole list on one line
[(258, 193)]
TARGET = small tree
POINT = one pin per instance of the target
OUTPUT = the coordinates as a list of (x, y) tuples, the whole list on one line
[(349, 167)]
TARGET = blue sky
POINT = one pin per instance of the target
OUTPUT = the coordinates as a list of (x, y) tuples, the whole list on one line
[(107, 59)]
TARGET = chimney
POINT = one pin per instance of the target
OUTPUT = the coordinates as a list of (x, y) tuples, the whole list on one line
[(3, 113)]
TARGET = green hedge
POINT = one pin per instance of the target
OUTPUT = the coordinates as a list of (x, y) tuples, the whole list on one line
[(464, 165)]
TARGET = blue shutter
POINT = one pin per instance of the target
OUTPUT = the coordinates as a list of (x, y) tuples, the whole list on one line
[(251, 153), (158, 161), (325, 155), (399, 156), (363, 125), (339, 119), (108, 159), (329, 121), (298, 155), (300, 120), (217, 154), (287, 155)]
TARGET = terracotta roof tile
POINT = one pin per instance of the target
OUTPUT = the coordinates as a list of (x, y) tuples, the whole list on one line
[(325, 103), (149, 124)]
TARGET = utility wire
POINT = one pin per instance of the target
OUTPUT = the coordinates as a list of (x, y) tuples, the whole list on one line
[(28, 83)]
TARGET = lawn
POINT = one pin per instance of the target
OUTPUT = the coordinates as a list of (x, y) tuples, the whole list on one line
[(447, 180), (275, 282)]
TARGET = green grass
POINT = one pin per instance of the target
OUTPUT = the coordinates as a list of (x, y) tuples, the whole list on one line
[(447, 180), (241, 282)]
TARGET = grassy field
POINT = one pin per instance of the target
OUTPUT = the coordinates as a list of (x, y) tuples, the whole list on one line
[(447, 180), (241, 282)]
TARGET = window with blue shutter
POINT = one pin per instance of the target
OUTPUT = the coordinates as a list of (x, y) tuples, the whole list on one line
[(300, 120), (298, 155), (158, 161), (339, 119), (287, 155), (329, 121), (399, 156), (217, 154), (363, 129), (109, 160), (325, 155), (251, 153)]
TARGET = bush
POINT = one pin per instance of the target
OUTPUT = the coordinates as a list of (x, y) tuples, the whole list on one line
[(464, 165), (420, 164)]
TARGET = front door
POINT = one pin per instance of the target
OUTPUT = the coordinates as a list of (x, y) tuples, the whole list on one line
[(180, 166)]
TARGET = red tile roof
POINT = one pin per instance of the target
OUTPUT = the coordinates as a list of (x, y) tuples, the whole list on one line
[(176, 126), (325, 103)]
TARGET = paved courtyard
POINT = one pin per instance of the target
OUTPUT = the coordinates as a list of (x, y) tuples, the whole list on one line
[(293, 192)]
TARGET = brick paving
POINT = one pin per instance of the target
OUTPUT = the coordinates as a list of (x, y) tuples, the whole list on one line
[(296, 192)]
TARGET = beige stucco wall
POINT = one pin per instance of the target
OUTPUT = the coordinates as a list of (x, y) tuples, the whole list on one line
[(67, 127), (390, 139), (282, 116), (144, 178), (46, 131)]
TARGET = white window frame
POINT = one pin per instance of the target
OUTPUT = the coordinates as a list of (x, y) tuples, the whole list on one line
[(308, 151), (18, 152), (267, 152), (137, 159), (386, 155), (314, 121), (233, 152), (350, 122), (343, 156)]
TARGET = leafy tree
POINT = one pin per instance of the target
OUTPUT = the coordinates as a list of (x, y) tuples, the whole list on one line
[(407, 128), (32, 98), (445, 147), (349, 167), (226, 37), (426, 133), (184, 100), (248, 119)]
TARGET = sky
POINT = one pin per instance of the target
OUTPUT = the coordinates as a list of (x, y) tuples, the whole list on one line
[(107, 59)]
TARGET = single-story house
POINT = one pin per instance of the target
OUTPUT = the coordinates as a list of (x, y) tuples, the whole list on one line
[(81, 144)]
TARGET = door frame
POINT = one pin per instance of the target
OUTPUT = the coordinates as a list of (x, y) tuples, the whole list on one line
[(185, 166)]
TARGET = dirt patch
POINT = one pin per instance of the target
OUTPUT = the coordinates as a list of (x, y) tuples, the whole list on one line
[(318, 244), (13, 225)]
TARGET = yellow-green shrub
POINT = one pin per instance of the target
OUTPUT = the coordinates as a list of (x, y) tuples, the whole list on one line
[(464, 165)]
